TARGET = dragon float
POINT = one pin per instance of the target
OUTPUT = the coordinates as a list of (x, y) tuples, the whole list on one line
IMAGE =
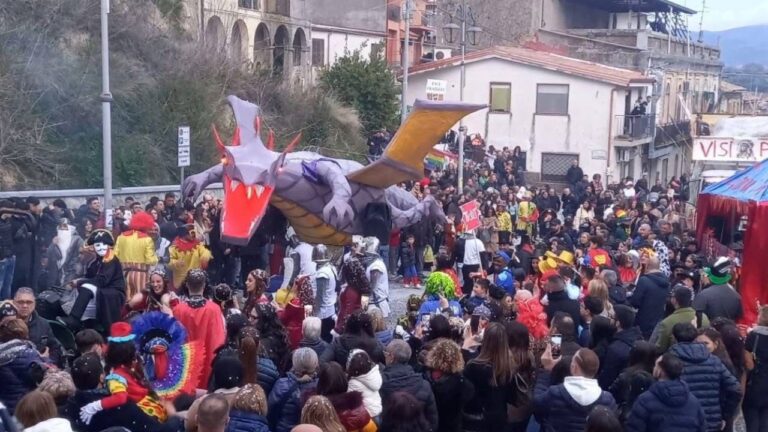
[(326, 200)]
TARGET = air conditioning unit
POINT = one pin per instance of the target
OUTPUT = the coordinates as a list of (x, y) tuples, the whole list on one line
[(442, 53)]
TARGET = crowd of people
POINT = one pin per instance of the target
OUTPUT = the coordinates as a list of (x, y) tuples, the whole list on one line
[(590, 308)]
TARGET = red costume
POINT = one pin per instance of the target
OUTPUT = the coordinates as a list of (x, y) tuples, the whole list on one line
[(205, 325), (292, 318)]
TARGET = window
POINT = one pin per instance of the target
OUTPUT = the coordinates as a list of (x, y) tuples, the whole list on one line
[(552, 99), (501, 95), (318, 52), (248, 4)]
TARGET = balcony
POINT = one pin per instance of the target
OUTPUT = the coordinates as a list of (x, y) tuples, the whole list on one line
[(633, 130), (673, 133)]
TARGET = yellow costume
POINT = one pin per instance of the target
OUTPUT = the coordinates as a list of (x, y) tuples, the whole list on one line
[(526, 216), (185, 256), (136, 252)]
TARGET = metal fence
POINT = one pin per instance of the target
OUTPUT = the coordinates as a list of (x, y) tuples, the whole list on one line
[(632, 127)]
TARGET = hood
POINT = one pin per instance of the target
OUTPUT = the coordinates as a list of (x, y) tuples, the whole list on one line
[(346, 401), (13, 349), (673, 393), (691, 352), (585, 391), (629, 336), (371, 380), (316, 344), (763, 330), (351, 410), (51, 425), (658, 278)]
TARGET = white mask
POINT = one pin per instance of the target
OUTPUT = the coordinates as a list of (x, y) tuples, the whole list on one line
[(101, 249)]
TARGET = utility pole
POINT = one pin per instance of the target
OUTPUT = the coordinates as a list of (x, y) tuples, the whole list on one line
[(406, 59), (462, 79), (106, 114)]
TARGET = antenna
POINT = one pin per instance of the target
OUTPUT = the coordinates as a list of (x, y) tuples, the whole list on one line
[(701, 21)]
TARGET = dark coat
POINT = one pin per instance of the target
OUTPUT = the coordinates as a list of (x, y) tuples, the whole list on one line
[(407, 255), (240, 421), (319, 346), (757, 383), (574, 174), (649, 298), (110, 296), (285, 401), (488, 400), (617, 356), (42, 336), (266, 371), (719, 301), (21, 369), (128, 415), (617, 294), (342, 345), (668, 406), (401, 377), (570, 204), (452, 392), (559, 302), (714, 386), (558, 411)]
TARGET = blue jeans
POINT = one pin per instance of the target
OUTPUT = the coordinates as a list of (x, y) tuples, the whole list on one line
[(7, 267), (384, 254), (410, 271)]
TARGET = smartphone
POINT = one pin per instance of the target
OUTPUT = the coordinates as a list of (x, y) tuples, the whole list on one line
[(474, 324), (556, 341), (425, 321)]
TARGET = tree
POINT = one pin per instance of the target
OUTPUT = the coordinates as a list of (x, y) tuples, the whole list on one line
[(367, 85)]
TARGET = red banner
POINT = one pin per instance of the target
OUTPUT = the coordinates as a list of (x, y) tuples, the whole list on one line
[(470, 215)]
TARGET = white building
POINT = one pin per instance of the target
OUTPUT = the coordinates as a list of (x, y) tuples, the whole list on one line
[(555, 108)]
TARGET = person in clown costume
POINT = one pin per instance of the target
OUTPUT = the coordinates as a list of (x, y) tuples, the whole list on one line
[(136, 251), (126, 380), (101, 293)]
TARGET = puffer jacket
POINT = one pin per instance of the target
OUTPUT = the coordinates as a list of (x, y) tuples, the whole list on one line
[(266, 374), (342, 345), (650, 298), (21, 369), (369, 385), (240, 421), (285, 401), (565, 407), (714, 386), (668, 406), (617, 356), (351, 411)]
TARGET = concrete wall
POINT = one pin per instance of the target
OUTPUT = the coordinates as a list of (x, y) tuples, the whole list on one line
[(339, 43), (507, 22), (367, 15), (568, 14), (584, 131)]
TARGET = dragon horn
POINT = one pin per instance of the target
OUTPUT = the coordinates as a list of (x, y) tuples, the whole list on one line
[(293, 143), (271, 140), (257, 125), (217, 138), (236, 137)]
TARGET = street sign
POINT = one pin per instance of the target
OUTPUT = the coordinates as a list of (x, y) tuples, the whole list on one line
[(184, 152), (470, 216), (436, 89)]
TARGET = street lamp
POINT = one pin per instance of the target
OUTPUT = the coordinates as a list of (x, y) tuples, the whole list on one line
[(106, 114), (452, 30)]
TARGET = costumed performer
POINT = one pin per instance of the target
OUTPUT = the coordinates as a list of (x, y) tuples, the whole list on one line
[(136, 250), (187, 253), (156, 296), (255, 288), (300, 306), (326, 281), (376, 272), (357, 286), (439, 294)]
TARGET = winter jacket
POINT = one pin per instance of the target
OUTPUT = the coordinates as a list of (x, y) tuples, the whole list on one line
[(128, 415), (401, 377), (489, 402), (668, 406), (559, 302), (717, 390), (385, 336), (452, 392), (285, 401), (42, 336), (21, 369), (617, 294), (617, 356), (565, 407), (351, 411), (54, 424), (574, 174), (318, 345), (407, 255), (681, 315), (342, 345), (369, 385), (649, 298), (570, 205), (719, 301), (267, 374), (241, 421), (757, 381)]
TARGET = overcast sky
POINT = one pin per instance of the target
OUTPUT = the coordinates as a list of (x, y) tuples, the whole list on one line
[(726, 14)]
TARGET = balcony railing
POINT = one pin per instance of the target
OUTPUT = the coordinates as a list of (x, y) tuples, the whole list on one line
[(634, 127)]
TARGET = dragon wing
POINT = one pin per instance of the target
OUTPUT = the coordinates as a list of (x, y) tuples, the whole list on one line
[(403, 158)]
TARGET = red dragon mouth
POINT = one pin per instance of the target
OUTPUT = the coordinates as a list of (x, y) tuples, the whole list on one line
[(244, 207)]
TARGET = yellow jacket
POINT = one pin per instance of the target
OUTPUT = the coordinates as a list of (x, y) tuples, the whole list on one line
[(505, 221), (136, 247), (185, 259)]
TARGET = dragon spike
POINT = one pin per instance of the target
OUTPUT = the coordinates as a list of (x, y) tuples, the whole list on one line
[(257, 125), (293, 143), (219, 143), (236, 137), (271, 140)]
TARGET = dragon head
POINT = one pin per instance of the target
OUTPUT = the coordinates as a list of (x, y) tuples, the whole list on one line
[(250, 172)]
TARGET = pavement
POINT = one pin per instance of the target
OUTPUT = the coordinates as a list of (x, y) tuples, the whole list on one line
[(398, 298)]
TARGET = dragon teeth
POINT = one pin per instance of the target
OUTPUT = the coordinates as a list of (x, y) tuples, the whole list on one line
[(259, 190), (248, 191), (234, 184)]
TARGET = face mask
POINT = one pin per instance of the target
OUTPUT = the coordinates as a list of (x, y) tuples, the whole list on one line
[(101, 249)]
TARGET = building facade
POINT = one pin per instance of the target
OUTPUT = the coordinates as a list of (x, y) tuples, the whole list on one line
[(555, 108), (294, 38)]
